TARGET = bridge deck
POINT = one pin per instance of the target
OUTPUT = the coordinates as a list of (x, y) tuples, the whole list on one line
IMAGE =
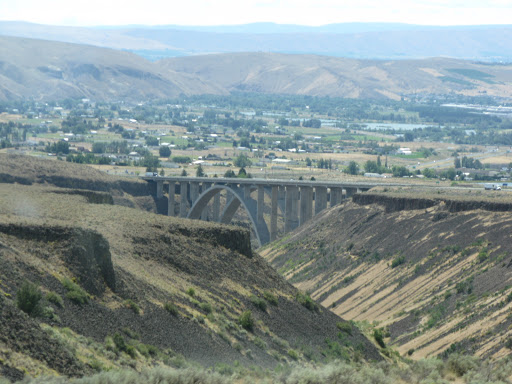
[(270, 182)]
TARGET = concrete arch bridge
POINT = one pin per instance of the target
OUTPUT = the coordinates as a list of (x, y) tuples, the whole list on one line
[(296, 201)]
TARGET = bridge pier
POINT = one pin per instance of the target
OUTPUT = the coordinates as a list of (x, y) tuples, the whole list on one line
[(159, 189), (261, 202), (291, 220), (320, 199), (170, 203), (273, 213), (336, 195), (194, 191), (183, 198), (306, 204), (204, 187), (216, 207)]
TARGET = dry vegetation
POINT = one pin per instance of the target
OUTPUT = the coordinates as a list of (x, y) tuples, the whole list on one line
[(124, 288), (429, 269)]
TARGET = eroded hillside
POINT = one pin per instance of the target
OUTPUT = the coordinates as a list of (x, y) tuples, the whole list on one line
[(123, 287), (433, 271)]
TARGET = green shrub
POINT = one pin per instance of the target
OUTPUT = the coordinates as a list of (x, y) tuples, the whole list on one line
[(293, 354), (378, 335), (482, 256), (119, 341), (122, 346), (206, 307), (75, 293), (191, 292), (28, 299), (270, 297), (345, 326), (260, 343), (307, 301), (399, 260), (147, 350), (171, 308), (246, 320), (460, 364), (129, 303), (55, 298), (131, 333), (259, 303)]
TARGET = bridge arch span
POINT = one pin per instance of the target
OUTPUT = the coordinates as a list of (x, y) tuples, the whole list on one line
[(249, 204)]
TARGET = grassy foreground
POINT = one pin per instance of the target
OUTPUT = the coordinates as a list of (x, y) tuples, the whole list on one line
[(455, 369)]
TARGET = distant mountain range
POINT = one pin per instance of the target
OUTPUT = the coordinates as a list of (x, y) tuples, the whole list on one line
[(490, 43), (45, 70)]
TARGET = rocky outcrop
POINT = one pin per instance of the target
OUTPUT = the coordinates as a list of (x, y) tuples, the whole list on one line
[(86, 253), (393, 204), (235, 239), (92, 197), (400, 203)]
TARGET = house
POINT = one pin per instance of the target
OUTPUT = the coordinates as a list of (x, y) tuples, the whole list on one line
[(403, 151)]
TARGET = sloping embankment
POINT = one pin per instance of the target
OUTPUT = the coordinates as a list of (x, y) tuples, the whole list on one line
[(435, 272)]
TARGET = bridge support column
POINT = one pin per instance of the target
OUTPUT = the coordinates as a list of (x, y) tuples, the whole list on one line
[(306, 204), (247, 191), (194, 192), (216, 207), (170, 203), (320, 199), (336, 194), (204, 187), (291, 218), (159, 189), (273, 214), (183, 198), (261, 202)]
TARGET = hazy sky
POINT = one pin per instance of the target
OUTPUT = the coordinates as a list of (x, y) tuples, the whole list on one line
[(224, 12)]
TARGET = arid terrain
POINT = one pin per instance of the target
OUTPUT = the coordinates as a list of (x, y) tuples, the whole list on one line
[(431, 269), (65, 70), (145, 289)]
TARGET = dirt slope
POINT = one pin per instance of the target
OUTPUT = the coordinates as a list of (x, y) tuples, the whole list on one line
[(340, 77), (168, 287), (433, 270), (64, 70)]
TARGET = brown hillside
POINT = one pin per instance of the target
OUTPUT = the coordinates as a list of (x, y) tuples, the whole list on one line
[(434, 269), (64, 70), (170, 287), (331, 76)]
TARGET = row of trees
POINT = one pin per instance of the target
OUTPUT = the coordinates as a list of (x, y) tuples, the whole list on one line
[(468, 162)]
